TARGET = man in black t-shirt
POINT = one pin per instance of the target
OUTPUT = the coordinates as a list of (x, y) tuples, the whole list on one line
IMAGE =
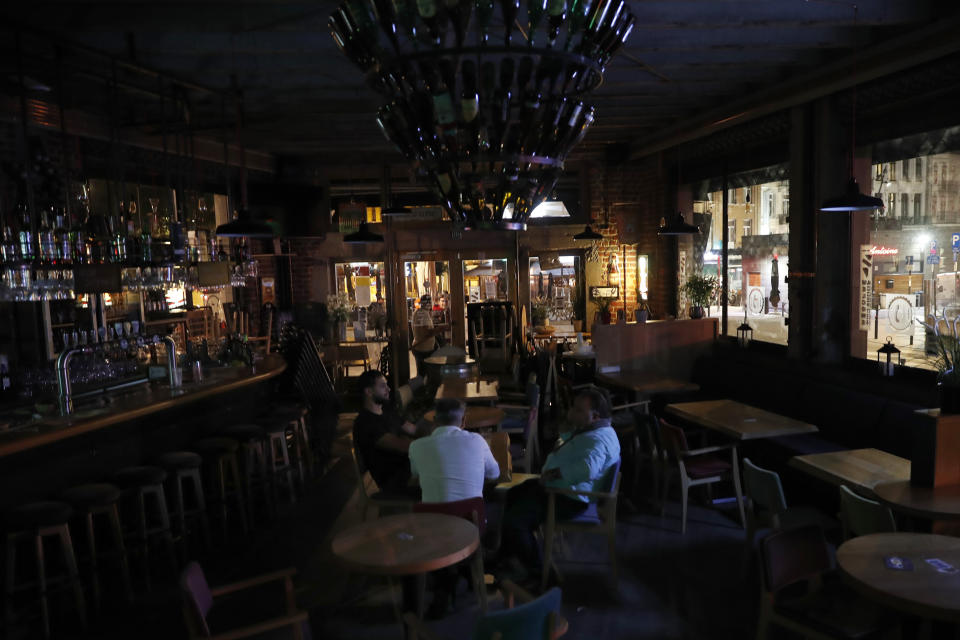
[(382, 437)]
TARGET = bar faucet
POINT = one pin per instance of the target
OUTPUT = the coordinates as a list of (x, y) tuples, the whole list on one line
[(176, 378), (63, 378)]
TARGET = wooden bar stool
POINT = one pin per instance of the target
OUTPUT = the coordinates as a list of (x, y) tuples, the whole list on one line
[(138, 483), (220, 455), (294, 417), (100, 499), (34, 522), (278, 457), (253, 441), (181, 467)]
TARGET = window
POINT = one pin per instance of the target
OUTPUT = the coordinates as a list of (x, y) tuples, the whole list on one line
[(878, 172), (892, 176), (643, 276), (756, 242), (910, 272)]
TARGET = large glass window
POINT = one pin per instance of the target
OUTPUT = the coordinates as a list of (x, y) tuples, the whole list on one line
[(756, 242), (554, 284), (913, 250)]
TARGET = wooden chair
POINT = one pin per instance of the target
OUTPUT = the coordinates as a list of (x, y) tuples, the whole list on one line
[(474, 510), (199, 599), (860, 516), (351, 355), (800, 557), (766, 504), (696, 467), (600, 517), (522, 420), (267, 338), (200, 324), (533, 618), (377, 498)]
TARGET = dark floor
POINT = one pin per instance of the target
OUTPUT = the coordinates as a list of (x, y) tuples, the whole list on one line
[(671, 585)]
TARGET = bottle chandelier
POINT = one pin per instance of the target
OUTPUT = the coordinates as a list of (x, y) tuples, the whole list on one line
[(485, 97)]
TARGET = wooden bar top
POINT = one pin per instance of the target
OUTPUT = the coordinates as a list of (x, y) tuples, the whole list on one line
[(125, 407)]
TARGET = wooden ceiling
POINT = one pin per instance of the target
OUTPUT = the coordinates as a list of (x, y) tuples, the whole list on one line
[(303, 98)]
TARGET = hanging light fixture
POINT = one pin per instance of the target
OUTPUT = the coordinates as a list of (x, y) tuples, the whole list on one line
[(244, 227), (587, 234), (363, 234), (677, 227), (488, 121), (852, 199)]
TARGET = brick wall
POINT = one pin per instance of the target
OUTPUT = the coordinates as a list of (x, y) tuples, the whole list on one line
[(637, 193)]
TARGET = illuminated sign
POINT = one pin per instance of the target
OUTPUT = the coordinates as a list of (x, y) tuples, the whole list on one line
[(883, 251)]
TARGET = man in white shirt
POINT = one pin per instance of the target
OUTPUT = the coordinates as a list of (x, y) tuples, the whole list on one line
[(452, 464)]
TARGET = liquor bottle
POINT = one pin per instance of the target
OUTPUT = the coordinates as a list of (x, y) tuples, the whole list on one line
[(506, 84), (579, 12), (535, 9), (428, 13), (556, 16), (470, 106), (484, 17), (62, 239), (510, 10), (366, 25), (406, 15), (619, 38), (387, 17), (459, 12), (45, 239), (9, 246), (345, 35), (27, 244)]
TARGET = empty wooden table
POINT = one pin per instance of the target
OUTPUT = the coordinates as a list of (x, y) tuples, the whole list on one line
[(468, 391), (932, 503), (923, 590), (645, 383), (477, 417), (859, 469), (737, 420), (515, 480)]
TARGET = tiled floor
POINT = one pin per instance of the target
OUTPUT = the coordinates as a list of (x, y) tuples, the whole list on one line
[(671, 586)]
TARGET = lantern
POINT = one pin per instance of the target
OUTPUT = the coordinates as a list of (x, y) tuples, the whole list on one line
[(885, 356), (744, 334)]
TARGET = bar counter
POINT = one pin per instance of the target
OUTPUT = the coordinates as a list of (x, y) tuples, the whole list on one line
[(133, 427)]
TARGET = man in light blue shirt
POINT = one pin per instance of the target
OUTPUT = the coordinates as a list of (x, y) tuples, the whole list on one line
[(580, 462)]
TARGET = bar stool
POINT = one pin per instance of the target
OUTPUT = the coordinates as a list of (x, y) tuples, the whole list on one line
[(293, 417), (220, 454), (34, 522), (138, 483), (100, 499), (278, 457), (181, 467), (253, 441)]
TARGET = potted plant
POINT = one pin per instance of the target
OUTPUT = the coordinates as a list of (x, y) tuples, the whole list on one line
[(338, 307), (603, 309), (540, 314), (699, 289), (948, 359), (576, 314), (642, 311)]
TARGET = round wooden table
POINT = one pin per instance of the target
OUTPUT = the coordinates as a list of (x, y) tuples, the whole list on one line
[(923, 591), (939, 503), (477, 417), (406, 544)]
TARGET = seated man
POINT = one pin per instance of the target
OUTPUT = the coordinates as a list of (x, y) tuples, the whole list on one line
[(382, 437), (578, 462), (451, 463)]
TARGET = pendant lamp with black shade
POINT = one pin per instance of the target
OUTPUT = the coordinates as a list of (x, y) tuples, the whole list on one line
[(852, 199), (244, 225), (587, 234), (362, 235), (677, 226)]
